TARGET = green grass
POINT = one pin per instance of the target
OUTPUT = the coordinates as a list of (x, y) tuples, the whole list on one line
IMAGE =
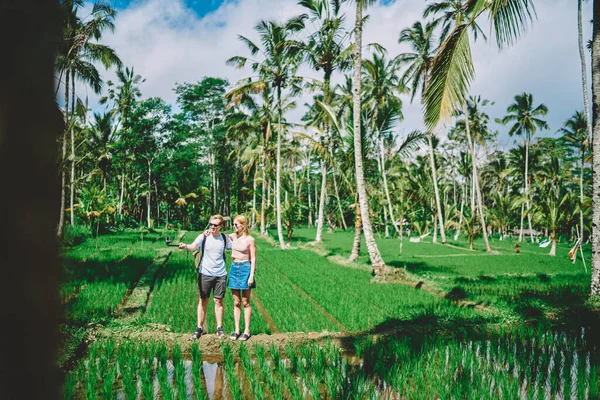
[(351, 298), (529, 284)]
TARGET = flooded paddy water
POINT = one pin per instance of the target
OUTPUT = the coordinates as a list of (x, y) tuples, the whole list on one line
[(521, 362)]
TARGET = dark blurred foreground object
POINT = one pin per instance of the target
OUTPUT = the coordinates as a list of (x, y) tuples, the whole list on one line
[(30, 123)]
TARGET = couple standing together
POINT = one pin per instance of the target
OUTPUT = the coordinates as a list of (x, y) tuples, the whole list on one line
[(212, 273)]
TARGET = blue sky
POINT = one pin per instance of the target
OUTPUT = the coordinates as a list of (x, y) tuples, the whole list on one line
[(176, 41), (201, 7)]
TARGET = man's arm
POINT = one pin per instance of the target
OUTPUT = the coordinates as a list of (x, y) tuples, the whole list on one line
[(228, 241), (195, 245)]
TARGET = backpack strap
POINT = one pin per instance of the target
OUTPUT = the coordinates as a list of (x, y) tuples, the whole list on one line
[(224, 237)]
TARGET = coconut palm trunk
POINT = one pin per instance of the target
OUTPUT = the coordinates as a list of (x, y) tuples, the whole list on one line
[(63, 194), (320, 217), (357, 230), (72, 186), (263, 230), (148, 219), (278, 172), (385, 186), (595, 287), (476, 179), (339, 203), (254, 196), (527, 188), (586, 96), (460, 217), (435, 189), (581, 194), (377, 262), (308, 195)]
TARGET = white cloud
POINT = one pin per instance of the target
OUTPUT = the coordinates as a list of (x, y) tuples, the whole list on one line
[(167, 43)]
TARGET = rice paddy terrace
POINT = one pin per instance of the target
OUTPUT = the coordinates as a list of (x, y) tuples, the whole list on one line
[(458, 324)]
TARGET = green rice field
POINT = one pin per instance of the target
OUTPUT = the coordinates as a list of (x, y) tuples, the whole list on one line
[(489, 326)]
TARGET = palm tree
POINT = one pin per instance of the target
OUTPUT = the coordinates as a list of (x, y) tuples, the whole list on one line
[(421, 41), (526, 120), (277, 70), (76, 58), (575, 132), (324, 51), (377, 262), (452, 69), (123, 95), (101, 136)]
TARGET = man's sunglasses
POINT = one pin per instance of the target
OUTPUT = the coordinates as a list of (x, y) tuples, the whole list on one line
[(215, 225)]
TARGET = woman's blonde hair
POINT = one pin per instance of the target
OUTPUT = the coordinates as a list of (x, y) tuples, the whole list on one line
[(243, 220)]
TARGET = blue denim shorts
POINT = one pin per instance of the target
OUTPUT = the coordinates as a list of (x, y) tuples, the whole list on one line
[(239, 274)]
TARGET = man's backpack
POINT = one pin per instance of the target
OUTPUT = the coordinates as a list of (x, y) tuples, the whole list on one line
[(199, 254)]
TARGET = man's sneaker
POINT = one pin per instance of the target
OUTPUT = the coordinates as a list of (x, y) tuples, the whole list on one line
[(220, 332), (196, 335)]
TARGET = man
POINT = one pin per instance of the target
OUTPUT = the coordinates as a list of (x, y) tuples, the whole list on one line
[(212, 275)]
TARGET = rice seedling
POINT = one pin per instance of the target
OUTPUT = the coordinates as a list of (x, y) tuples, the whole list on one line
[(197, 373), (230, 372), (147, 382), (164, 382), (108, 383), (69, 386)]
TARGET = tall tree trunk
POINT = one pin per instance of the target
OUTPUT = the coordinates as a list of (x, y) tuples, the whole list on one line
[(581, 195), (386, 223), (476, 179), (148, 199), (460, 218), (435, 189), (339, 203), (320, 218), (385, 186), (377, 262), (263, 229), (72, 186), (122, 188), (357, 229), (527, 188), (553, 247), (278, 172), (157, 203), (63, 194), (584, 82), (433, 217), (522, 219), (595, 287), (254, 196), (310, 221)]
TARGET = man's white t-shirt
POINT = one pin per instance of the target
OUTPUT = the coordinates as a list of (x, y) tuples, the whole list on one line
[(213, 263)]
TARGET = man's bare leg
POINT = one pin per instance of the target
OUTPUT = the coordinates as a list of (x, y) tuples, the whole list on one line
[(202, 303), (219, 311)]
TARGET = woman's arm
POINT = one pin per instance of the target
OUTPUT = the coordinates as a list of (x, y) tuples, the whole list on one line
[(252, 246)]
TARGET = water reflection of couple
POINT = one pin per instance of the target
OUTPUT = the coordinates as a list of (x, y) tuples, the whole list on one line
[(212, 273)]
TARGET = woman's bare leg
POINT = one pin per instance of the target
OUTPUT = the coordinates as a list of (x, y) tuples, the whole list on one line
[(236, 309), (247, 310)]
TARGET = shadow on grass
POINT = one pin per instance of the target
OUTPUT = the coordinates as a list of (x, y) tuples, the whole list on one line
[(420, 267)]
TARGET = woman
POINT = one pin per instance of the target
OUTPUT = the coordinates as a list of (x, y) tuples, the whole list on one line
[(241, 274)]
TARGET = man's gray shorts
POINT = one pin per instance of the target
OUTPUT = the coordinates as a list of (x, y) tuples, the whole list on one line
[(216, 283)]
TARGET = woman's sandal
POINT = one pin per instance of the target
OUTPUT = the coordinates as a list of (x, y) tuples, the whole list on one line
[(245, 337), (234, 336)]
